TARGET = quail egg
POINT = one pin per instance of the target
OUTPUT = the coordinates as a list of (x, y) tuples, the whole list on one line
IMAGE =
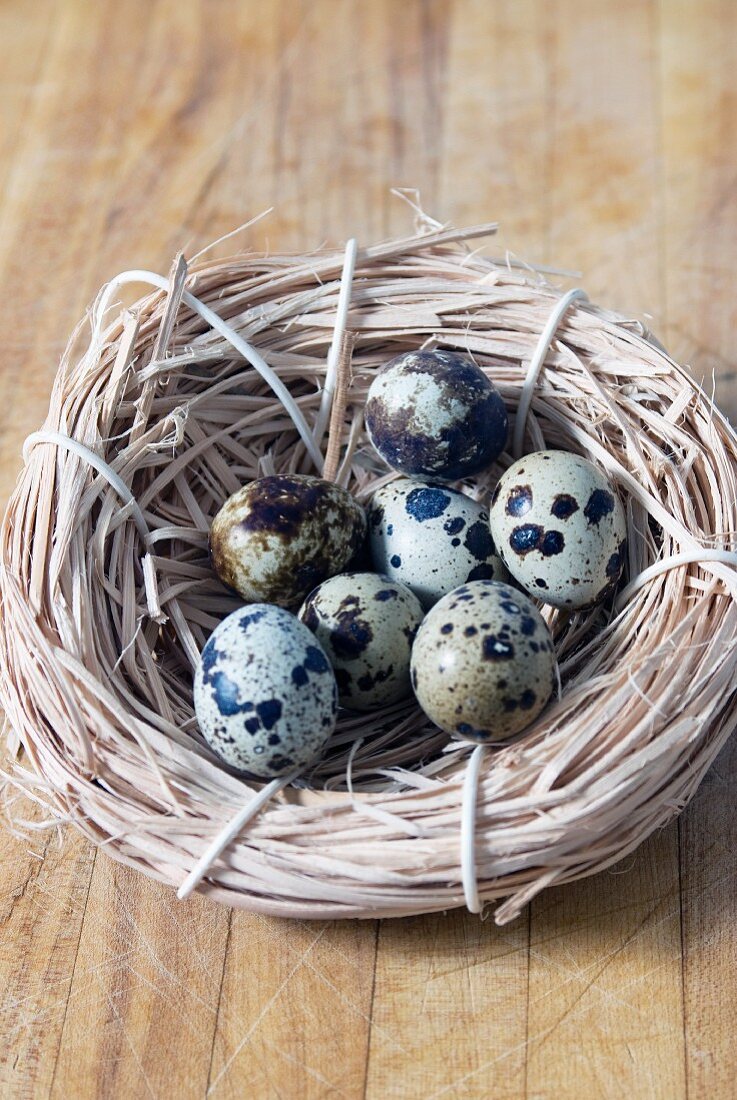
[(435, 414), (264, 692), (366, 624), (560, 528), (278, 537), (483, 662), (431, 538)]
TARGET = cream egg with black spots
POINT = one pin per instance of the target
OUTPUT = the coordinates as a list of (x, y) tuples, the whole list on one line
[(560, 528), (483, 662)]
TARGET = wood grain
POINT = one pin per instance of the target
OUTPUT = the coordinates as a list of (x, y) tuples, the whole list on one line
[(699, 107), (602, 137), (450, 1009), (148, 972), (295, 1009)]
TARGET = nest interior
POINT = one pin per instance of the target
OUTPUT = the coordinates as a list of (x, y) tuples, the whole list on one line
[(107, 600)]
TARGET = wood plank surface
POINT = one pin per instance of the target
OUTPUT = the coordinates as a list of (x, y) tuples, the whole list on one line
[(603, 138), (605, 951), (699, 120)]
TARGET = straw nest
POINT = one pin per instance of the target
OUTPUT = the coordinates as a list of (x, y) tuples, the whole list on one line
[(107, 594)]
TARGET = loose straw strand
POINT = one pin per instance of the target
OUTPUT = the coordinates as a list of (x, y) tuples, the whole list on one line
[(336, 344), (468, 830), (337, 412), (230, 831)]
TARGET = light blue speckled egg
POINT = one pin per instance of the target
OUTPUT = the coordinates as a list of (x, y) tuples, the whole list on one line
[(265, 694), (431, 538)]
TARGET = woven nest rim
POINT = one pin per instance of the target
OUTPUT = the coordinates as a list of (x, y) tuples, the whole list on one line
[(99, 634)]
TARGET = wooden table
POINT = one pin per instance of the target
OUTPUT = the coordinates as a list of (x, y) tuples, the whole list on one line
[(602, 136)]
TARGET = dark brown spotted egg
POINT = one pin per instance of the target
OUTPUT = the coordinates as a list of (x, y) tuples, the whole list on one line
[(483, 664), (560, 528), (277, 538), (264, 692), (431, 538), (435, 414), (366, 623)]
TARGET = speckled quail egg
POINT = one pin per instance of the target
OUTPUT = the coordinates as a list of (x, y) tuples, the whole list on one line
[(435, 414), (278, 537), (431, 538), (265, 695), (560, 528), (366, 624), (483, 665)]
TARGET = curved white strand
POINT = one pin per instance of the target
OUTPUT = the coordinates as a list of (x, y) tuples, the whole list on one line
[(536, 362), (230, 831), (468, 830), (244, 349), (688, 557), (57, 439)]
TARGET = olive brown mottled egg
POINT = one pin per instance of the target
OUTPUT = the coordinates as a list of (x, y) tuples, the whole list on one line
[(560, 528), (431, 538), (366, 624), (483, 662), (264, 692), (277, 538), (435, 414)]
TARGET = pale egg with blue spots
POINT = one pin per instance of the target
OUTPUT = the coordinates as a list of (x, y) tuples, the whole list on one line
[(431, 538), (366, 624), (483, 662), (265, 694), (560, 528), (435, 414)]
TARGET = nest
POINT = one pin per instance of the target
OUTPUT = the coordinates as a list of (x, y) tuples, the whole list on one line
[(108, 596)]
